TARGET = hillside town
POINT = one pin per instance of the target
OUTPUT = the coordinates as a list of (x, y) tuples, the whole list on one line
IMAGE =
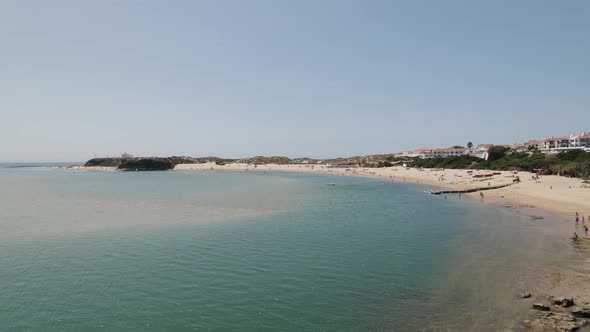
[(550, 146)]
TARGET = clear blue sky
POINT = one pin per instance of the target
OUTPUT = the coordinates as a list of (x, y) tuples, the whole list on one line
[(296, 78)]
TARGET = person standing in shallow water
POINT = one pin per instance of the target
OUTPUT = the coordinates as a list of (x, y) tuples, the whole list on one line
[(586, 230)]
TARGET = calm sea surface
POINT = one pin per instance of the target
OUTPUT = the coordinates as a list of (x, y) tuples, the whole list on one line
[(245, 251)]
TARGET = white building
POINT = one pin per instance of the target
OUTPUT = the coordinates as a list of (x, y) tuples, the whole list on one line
[(443, 153), (408, 154), (535, 145), (480, 151), (565, 143)]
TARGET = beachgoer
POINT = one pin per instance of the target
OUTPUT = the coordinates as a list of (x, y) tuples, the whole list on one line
[(576, 237), (586, 230), (551, 187), (577, 219)]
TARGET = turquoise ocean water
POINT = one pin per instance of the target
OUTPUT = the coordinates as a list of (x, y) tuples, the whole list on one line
[(246, 251)]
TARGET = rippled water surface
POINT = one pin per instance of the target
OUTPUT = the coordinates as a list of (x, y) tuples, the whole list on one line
[(240, 251)]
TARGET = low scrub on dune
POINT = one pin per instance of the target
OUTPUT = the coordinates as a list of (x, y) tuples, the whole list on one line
[(575, 163)]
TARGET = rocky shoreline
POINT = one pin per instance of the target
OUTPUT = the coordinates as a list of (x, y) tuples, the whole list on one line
[(557, 314), (561, 313)]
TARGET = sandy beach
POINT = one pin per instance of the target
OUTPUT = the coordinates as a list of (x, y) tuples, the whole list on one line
[(557, 194)]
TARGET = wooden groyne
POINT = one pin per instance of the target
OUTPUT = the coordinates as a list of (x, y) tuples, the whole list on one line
[(465, 191)]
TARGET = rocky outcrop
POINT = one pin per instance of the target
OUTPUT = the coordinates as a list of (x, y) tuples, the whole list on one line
[(541, 306), (583, 312), (547, 320), (563, 301), (553, 321)]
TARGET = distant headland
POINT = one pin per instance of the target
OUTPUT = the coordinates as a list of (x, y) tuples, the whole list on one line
[(569, 163), (130, 163)]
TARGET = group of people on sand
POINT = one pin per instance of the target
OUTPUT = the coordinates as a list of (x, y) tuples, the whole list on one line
[(584, 225)]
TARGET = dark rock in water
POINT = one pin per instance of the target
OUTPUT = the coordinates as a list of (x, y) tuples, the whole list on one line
[(525, 295), (583, 312), (563, 301), (541, 306), (553, 321)]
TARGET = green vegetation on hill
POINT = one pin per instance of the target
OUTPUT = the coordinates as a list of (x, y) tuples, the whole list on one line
[(146, 164), (449, 162), (104, 162), (141, 164), (575, 163)]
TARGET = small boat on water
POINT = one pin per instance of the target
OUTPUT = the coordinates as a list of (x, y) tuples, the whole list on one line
[(330, 184)]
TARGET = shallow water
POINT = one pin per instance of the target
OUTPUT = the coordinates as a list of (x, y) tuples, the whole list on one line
[(240, 251)]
